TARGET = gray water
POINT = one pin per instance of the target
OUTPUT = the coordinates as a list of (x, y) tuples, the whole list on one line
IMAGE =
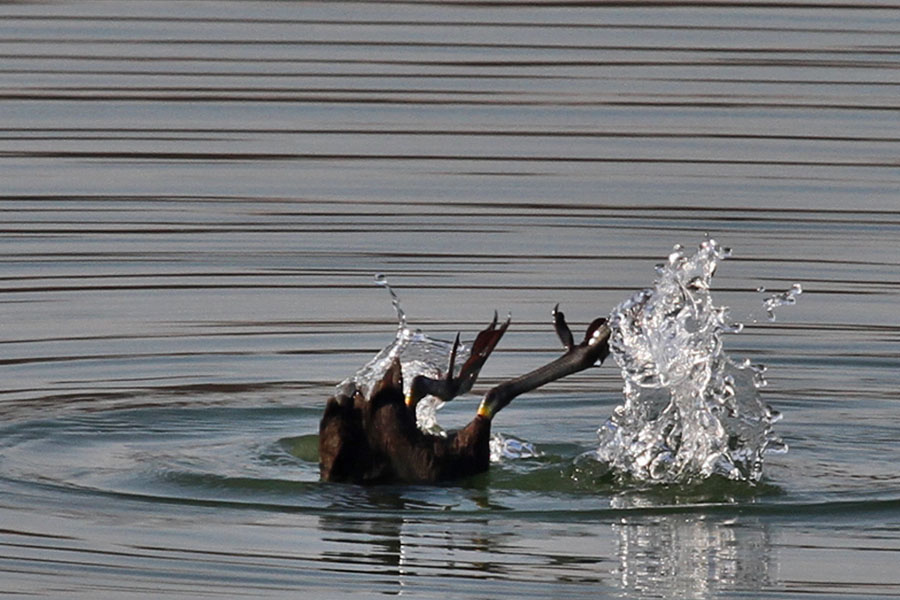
[(196, 196)]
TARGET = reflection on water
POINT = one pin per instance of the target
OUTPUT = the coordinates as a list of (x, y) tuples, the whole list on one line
[(679, 556), (406, 555), (671, 556)]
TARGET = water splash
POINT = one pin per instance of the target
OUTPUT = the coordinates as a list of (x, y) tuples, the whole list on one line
[(690, 411), (419, 354), (788, 298), (505, 447), (381, 279)]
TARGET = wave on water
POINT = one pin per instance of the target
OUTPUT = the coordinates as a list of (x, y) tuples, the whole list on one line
[(690, 411)]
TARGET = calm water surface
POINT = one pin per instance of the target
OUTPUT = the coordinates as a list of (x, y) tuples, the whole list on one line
[(195, 199)]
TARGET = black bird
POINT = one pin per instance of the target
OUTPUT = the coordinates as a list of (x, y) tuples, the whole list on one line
[(376, 440)]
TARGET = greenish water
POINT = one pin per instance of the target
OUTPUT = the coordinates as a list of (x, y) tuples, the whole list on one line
[(196, 197)]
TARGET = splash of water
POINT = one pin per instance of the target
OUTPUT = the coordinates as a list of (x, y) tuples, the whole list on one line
[(505, 447), (690, 411), (381, 279), (788, 298), (419, 354)]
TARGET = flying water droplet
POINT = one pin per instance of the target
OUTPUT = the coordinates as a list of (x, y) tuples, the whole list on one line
[(788, 298)]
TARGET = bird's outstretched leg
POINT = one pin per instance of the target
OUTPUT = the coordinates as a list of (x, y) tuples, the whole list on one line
[(590, 352), (451, 386)]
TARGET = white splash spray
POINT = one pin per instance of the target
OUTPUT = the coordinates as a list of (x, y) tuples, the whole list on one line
[(690, 411), (419, 354), (788, 298)]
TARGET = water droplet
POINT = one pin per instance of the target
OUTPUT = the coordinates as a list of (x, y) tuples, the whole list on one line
[(788, 298)]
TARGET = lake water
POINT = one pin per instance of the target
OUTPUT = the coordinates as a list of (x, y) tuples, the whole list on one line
[(196, 197)]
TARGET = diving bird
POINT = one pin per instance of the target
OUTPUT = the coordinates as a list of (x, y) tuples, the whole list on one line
[(375, 440)]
